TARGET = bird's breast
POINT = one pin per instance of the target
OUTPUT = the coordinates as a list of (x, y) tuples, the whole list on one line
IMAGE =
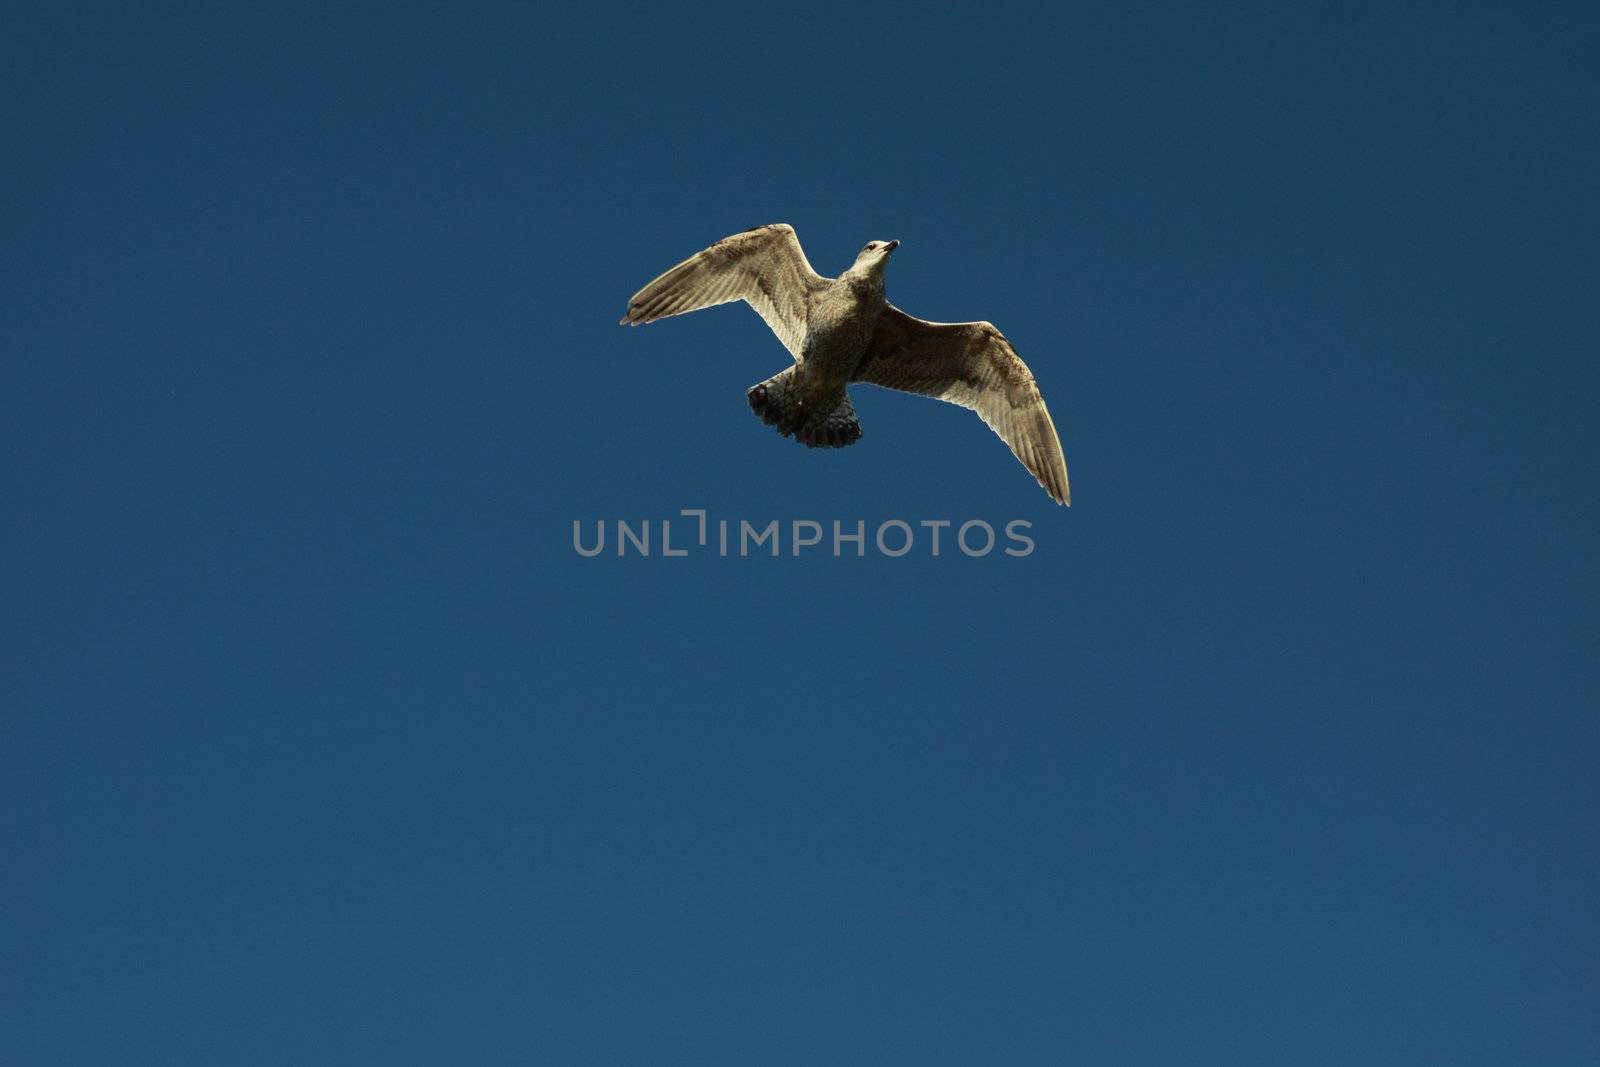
[(837, 336)]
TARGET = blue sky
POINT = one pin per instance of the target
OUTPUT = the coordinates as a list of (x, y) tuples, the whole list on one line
[(319, 743)]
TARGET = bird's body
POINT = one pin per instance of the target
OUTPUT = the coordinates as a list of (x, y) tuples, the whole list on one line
[(843, 330), (838, 331)]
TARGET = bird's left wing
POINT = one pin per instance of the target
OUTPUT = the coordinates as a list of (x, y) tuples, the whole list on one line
[(765, 267), (973, 365)]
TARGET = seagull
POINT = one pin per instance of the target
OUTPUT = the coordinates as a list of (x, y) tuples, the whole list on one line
[(843, 330)]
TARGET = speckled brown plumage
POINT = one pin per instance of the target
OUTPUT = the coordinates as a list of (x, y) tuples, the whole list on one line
[(843, 330)]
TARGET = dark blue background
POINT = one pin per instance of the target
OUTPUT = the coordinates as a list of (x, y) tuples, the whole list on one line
[(321, 745)]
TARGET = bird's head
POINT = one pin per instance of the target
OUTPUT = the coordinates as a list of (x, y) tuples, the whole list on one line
[(872, 259)]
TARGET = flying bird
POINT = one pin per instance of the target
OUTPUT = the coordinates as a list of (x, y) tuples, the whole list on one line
[(843, 330)]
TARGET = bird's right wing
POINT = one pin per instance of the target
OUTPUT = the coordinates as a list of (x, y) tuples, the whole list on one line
[(973, 365), (765, 267)]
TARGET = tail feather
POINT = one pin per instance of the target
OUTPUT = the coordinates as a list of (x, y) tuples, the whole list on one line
[(778, 403)]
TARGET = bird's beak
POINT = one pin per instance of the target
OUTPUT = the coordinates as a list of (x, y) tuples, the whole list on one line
[(891, 246)]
